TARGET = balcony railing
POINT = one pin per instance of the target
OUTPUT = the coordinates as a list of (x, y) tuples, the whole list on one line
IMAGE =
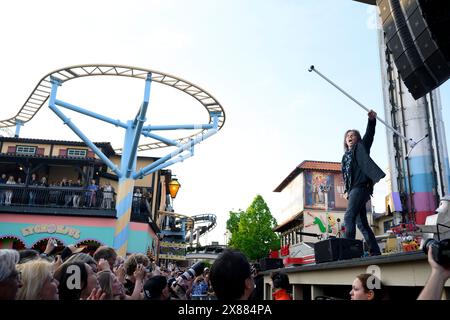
[(40, 196), (67, 200)]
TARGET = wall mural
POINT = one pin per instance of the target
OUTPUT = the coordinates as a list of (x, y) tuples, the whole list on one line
[(319, 223), (324, 190)]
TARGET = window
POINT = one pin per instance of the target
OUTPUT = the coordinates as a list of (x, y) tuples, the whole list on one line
[(78, 153), (26, 150)]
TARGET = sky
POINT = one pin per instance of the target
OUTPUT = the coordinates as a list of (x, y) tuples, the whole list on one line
[(252, 56)]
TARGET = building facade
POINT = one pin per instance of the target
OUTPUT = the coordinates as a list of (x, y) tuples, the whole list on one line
[(315, 205), (62, 190)]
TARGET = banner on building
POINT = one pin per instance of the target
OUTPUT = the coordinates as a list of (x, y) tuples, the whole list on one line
[(324, 190)]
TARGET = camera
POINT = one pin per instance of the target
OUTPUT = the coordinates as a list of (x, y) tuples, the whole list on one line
[(179, 287), (440, 250), (192, 272)]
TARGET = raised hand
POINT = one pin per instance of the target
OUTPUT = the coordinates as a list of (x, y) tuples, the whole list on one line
[(58, 262), (97, 294), (120, 273), (139, 274), (103, 265), (51, 244)]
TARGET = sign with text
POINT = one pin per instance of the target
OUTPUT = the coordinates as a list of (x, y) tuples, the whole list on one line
[(51, 228), (172, 250)]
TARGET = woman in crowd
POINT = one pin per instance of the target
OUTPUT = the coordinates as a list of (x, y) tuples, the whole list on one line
[(366, 286), (38, 282), (10, 281), (110, 285), (281, 285), (135, 266)]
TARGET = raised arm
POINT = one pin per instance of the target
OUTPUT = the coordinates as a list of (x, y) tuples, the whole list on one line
[(435, 283), (367, 140)]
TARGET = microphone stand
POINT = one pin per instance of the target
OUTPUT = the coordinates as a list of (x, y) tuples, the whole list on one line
[(410, 141)]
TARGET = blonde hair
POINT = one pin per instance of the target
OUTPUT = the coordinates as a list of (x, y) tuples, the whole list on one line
[(34, 275)]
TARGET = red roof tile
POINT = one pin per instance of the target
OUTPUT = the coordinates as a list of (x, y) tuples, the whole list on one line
[(288, 223), (320, 165), (309, 165)]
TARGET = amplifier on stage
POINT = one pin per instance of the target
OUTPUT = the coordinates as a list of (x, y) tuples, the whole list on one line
[(270, 263), (337, 249)]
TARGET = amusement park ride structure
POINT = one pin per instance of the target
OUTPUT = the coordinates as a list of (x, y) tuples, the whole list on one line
[(127, 173)]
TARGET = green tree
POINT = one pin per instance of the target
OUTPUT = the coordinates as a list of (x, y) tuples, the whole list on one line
[(251, 231), (233, 224)]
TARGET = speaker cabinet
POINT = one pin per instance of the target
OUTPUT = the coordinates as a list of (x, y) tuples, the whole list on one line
[(416, 33), (271, 263), (334, 249)]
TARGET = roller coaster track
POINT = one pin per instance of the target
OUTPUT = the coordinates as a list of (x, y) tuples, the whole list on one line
[(42, 90), (203, 218), (209, 218)]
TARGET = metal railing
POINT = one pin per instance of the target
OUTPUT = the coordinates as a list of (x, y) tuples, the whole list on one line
[(75, 198), (72, 197), (141, 207)]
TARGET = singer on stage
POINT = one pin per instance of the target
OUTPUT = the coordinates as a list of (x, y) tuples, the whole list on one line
[(360, 174)]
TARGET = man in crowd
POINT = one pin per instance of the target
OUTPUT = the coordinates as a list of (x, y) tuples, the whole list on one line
[(156, 288), (107, 253), (231, 276)]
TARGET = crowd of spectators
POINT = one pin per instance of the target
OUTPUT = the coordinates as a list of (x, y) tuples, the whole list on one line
[(72, 274), (64, 193), (75, 275)]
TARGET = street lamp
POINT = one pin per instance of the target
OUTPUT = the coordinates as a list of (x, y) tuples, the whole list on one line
[(174, 186)]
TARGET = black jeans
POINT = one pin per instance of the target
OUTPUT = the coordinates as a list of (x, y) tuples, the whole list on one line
[(356, 215)]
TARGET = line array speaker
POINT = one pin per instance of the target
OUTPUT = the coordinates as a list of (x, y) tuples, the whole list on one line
[(416, 33)]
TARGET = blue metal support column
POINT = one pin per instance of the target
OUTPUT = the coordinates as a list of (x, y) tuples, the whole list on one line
[(18, 125), (124, 199), (169, 142), (76, 130), (185, 147), (137, 125), (95, 115), (126, 182), (179, 127)]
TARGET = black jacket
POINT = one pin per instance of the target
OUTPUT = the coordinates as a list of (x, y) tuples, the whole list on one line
[(365, 172)]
